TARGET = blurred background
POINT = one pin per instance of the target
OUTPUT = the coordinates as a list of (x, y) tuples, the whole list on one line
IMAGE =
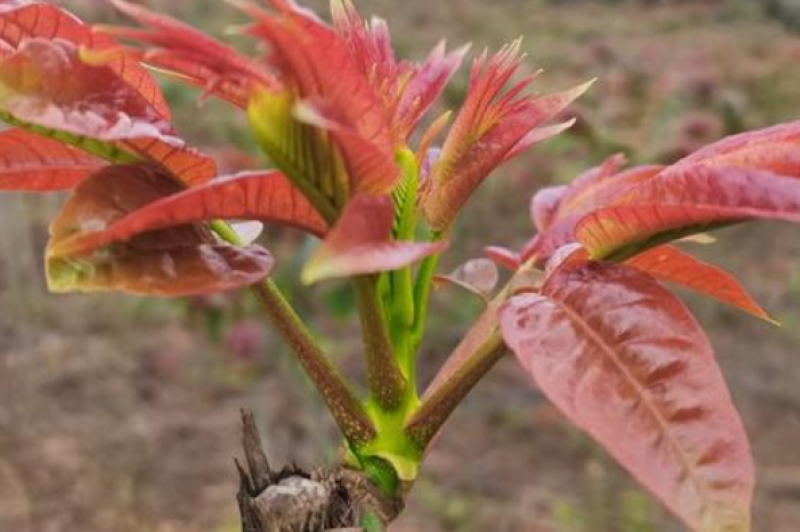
[(121, 414)]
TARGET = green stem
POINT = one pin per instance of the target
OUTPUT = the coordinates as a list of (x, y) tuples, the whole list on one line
[(422, 296), (107, 151), (402, 321), (436, 409), (386, 381), (346, 409)]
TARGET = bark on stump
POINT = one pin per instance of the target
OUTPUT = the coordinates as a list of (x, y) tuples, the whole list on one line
[(293, 500)]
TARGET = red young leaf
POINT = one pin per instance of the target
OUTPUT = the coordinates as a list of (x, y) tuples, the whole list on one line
[(502, 257), (317, 61), (20, 21), (371, 170), (556, 211), (192, 55), (48, 84), (66, 78), (747, 176), (189, 166), (179, 261), (668, 263), (491, 127), (265, 196), (477, 276), (775, 149), (544, 206), (360, 243), (625, 361), (687, 201), (33, 163), (408, 90), (671, 264)]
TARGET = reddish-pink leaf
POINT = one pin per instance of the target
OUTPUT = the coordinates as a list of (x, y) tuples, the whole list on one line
[(194, 56), (360, 243), (189, 166), (48, 84), (492, 127), (502, 257), (317, 60), (747, 176), (776, 149), (544, 206), (264, 196), (426, 84), (685, 201), (625, 361), (477, 276), (20, 21), (180, 261), (371, 170), (671, 264), (407, 90), (33, 163), (556, 211)]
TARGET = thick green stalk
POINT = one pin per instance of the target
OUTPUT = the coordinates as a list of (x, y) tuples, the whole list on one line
[(345, 407), (386, 381)]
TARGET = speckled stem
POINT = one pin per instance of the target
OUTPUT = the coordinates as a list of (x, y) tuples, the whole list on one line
[(386, 381)]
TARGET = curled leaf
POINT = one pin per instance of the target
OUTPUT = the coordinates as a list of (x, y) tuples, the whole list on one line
[(556, 211), (264, 196), (360, 243), (45, 82), (179, 261), (24, 20), (479, 276)]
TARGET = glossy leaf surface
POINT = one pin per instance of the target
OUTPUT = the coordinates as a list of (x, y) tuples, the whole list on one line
[(557, 211), (749, 176), (360, 243), (688, 201), (46, 82), (179, 261), (624, 360), (29, 162), (264, 196), (20, 21)]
